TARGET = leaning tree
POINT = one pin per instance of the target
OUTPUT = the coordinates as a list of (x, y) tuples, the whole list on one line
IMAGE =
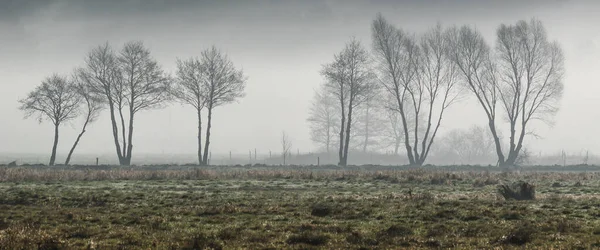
[(91, 107), (57, 100)]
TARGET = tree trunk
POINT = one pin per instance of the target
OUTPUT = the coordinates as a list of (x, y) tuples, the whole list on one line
[(366, 143), (347, 142), (115, 131), (125, 147), (207, 140), (497, 143), (199, 137), (328, 134), (77, 140), (342, 123), (54, 145), (127, 160)]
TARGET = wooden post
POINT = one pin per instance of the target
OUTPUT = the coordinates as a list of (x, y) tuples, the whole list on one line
[(96, 161), (254, 153), (318, 161)]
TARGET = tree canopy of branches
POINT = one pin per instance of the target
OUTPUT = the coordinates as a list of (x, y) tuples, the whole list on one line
[(219, 83), (349, 80), (57, 100), (129, 82), (524, 75), (420, 77)]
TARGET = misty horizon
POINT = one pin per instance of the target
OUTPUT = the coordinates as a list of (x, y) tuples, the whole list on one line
[(281, 47)]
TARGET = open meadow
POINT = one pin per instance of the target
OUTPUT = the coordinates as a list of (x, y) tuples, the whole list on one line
[(260, 207)]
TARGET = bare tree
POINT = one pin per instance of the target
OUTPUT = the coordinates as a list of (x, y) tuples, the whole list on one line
[(349, 79), (92, 106), (189, 89), (417, 73), (55, 100), (129, 82), (286, 146), (223, 84), (472, 56), (323, 120), (525, 76), (530, 72)]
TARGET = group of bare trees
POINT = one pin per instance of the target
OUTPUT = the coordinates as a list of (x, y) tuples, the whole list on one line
[(129, 81), (61, 99), (393, 96), (416, 78)]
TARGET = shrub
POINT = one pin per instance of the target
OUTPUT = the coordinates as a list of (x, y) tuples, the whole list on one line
[(517, 191), (203, 241), (321, 210), (398, 230), (309, 238), (519, 236)]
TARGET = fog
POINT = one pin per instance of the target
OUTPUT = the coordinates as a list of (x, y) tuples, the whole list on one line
[(281, 46)]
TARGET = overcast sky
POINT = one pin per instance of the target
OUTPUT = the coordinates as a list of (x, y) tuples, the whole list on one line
[(281, 46)]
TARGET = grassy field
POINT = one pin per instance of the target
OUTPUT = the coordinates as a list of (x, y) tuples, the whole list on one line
[(275, 208)]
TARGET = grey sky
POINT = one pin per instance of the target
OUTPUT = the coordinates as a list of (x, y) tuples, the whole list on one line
[(281, 46)]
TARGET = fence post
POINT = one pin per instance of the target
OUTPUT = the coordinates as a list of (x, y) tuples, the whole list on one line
[(318, 161), (96, 161)]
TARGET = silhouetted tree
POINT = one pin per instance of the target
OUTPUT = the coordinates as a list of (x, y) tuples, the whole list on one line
[(56, 100), (223, 84), (129, 82), (418, 73), (530, 72), (189, 88), (92, 106), (350, 80), (525, 75)]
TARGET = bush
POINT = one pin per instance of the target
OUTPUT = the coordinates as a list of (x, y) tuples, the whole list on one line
[(309, 238), (517, 191), (398, 230), (519, 236), (321, 210), (203, 241)]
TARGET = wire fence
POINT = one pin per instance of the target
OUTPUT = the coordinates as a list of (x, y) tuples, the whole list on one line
[(298, 157)]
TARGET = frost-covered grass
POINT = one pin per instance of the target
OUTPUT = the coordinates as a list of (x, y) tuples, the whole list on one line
[(259, 207)]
